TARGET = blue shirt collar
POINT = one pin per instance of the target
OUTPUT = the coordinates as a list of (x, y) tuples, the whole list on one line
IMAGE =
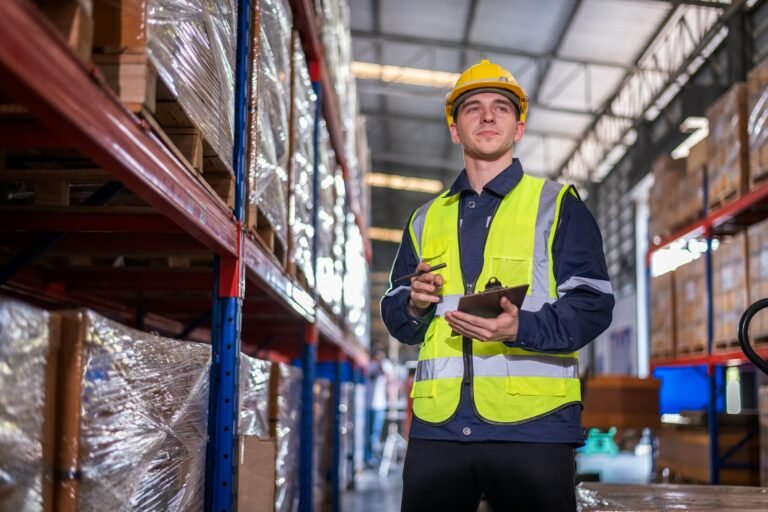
[(501, 185)]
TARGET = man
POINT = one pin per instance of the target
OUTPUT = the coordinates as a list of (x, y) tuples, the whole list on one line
[(497, 408)]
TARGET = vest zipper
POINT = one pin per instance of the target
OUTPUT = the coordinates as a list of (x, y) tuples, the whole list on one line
[(466, 342)]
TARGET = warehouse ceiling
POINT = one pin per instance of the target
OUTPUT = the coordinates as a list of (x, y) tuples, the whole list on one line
[(571, 56)]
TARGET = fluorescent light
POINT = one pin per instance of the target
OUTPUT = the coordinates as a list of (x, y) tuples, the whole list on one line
[(396, 182), (402, 75), (698, 127), (385, 234)]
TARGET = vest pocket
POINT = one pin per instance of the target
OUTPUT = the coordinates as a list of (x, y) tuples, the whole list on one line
[(536, 386), (510, 271), (434, 251)]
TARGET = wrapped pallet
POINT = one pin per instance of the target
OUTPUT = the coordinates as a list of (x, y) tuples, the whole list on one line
[(663, 330), (285, 417), (256, 472), (29, 339), (322, 442), (728, 147), (326, 170), (356, 285), (690, 308), (339, 244), (302, 152), (757, 124), (133, 411), (729, 290), (190, 45), (663, 198), (268, 156), (690, 188), (757, 243)]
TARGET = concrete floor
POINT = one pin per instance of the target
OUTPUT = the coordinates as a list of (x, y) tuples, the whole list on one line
[(375, 494)]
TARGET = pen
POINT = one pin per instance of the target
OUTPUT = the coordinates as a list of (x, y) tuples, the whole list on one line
[(420, 272)]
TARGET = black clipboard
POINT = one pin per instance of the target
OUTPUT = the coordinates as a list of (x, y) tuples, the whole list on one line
[(486, 304)]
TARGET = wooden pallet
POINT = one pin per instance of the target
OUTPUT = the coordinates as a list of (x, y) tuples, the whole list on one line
[(692, 350), (662, 354), (50, 187), (295, 271), (262, 230), (73, 20), (758, 177), (724, 197), (726, 345), (133, 78)]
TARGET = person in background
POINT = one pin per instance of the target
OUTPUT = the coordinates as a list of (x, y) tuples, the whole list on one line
[(496, 401), (380, 373)]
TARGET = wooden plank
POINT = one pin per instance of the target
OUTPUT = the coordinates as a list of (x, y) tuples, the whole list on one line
[(73, 21)]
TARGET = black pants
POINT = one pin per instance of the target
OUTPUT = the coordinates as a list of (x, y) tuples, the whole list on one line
[(449, 476)]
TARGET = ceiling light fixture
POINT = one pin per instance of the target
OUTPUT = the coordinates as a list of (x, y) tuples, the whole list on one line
[(385, 234), (396, 182), (698, 127), (403, 75)]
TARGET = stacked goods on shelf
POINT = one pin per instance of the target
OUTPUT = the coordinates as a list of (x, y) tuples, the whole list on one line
[(256, 472), (690, 308), (356, 285), (74, 20), (284, 419), (339, 245), (347, 434), (334, 20), (757, 124), (132, 418), (684, 450), (621, 401), (663, 329), (762, 405), (29, 339), (326, 170), (268, 156), (173, 62), (364, 161), (663, 199), (757, 243), (302, 153), (690, 195), (729, 290), (728, 148), (321, 445)]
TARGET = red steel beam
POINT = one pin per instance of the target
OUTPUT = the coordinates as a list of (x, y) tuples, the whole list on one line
[(41, 71)]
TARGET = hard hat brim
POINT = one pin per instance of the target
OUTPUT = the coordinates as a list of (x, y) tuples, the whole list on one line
[(511, 96)]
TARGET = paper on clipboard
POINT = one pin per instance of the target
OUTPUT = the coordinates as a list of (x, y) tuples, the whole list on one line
[(487, 304)]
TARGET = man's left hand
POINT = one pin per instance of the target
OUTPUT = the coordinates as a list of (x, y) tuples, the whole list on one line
[(502, 328)]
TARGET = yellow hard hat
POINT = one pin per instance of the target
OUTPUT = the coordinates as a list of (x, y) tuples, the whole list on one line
[(485, 77)]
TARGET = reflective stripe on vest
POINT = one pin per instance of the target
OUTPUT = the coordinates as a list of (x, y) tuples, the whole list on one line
[(499, 365)]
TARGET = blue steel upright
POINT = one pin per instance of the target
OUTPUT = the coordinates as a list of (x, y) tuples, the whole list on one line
[(714, 452), (229, 287)]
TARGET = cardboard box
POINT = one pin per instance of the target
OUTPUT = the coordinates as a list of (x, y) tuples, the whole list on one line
[(621, 401), (757, 125), (256, 475), (729, 290), (728, 147), (663, 328), (762, 404), (757, 244), (690, 308), (685, 451)]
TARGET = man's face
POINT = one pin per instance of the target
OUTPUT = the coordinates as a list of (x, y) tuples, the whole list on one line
[(486, 125)]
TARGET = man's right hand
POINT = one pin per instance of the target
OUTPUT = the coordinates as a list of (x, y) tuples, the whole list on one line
[(425, 290)]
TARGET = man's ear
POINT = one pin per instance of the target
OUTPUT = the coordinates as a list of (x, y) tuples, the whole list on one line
[(454, 134), (519, 131)]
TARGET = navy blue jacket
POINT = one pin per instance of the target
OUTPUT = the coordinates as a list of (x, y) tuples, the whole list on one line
[(582, 312)]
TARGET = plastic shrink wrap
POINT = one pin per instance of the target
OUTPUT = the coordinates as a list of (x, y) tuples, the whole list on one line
[(356, 285), (254, 397), (326, 220), (285, 416), (302, 166), (28, 340), (192, 45), (321, 445), (134, 410), (269, 124)]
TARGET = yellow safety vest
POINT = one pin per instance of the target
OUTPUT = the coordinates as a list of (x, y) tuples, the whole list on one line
[(509, 385)]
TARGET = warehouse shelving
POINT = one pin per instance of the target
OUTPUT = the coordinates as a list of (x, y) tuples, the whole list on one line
[(74, 108), (730, 219)]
